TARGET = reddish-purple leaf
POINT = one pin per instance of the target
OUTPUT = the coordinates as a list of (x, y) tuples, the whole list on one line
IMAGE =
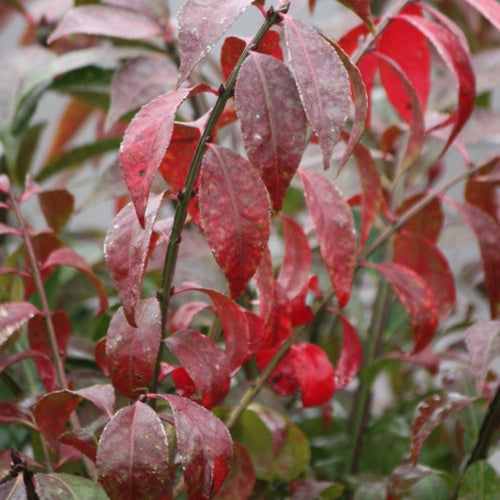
[(68, 257), (131, 352), (371, 185), (13, 359), (429, 414), (126, 249), (334, 227), (419, 254), (297, 259), (106, 21), (487, 232), (4, 229), (305, 489), (428, 220), (483, 343), (490, 9), (235, 214), (205, 362), (132, 457), (13, 315), (83, 440), (145, 143), (314, 373), (417, 298), (137, 82), (102, 396), (362, 9), (14, 489), (11, 413), (408, 48), (240, 481), (201, 25), (38, 338), (4, 184), (57, 207), (205, 447), (351, 354), (322, 80), (457, 59), (273, 123)]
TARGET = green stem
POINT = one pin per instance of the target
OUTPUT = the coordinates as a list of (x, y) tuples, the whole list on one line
[(226, 92)]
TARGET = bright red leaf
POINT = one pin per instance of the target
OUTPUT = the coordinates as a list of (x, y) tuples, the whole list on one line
[(483, 343), (417, 298), (334, 228), (106, 21), (13, 315), (419, 254), (322, 80), (429, 414), (131, 352), (205, 447), (201, 25), (132, 457), (205, 362), (273, 124), (235, 214), (127, 248)]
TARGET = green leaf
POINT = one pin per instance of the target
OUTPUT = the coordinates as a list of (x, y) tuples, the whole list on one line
[(480, 482), (67, 487)]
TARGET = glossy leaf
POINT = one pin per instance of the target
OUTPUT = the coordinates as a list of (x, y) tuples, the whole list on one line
[(126, 250), (481, 480), (417, 253), (417, 298), (205, 362), (201, 25), (235, 210), (132, 458), (483, 343), (430, 413), (137, 82), (68, 257), (334, 228), (131, 352), (13, 315), (273, 123), (322, 80), (145, 143), (205, 447), (67, 487), (297, 259), (487, 232), (105, 21)]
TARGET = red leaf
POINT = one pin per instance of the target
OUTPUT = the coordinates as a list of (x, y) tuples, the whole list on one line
[(322, 80), (427, 221), (351, 354), (489, 9), (205, 362), (11, 413), (57, 207), (240, 481), (68, 257), (137, 82), (11, 360), (417, 298), (132, 457), (408, 48), (273, 124), (487, 232), (457, 58), (106, 21), (83, 440), (483, 343), (145, 143), (429, 414), (201, 25), (297, 260), (13, 315), (314, 373), (230, 52), (131, 352), (4, 229), (419, 254), (38, 338), (127, 248), (362, 9), (205, 447), (235, 214), (181, 319), (334, 227)]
